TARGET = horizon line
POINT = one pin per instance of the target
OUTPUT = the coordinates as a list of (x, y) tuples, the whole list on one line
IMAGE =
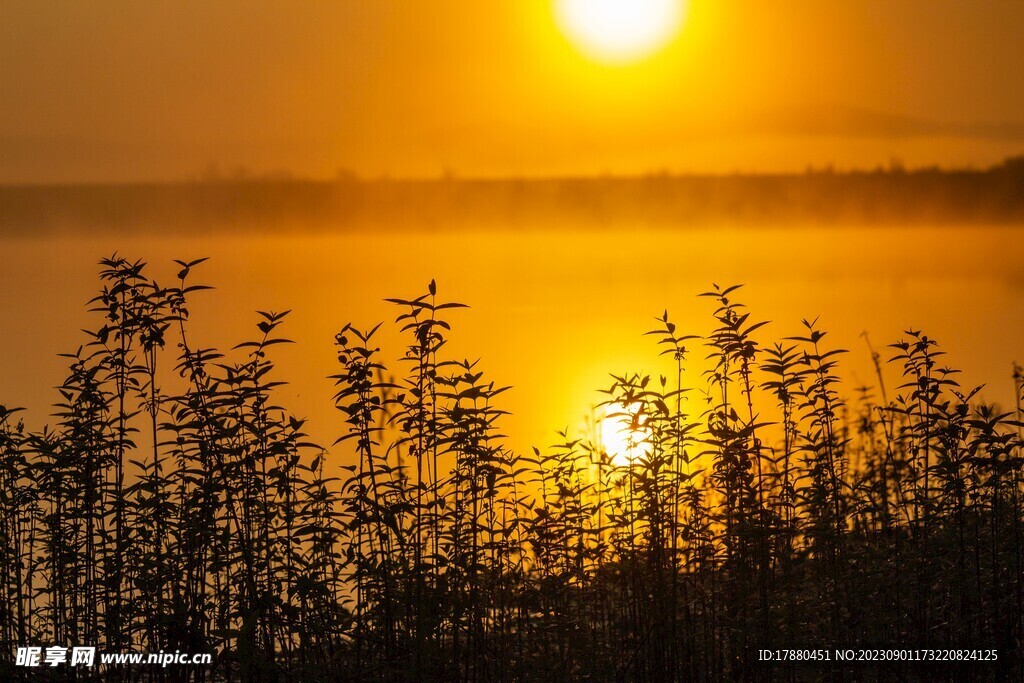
[(344, 176)]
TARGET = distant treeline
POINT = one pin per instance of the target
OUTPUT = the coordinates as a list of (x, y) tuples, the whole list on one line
[(893, 195)]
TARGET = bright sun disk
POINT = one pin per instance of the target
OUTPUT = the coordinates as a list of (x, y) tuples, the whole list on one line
[(621, 436), (620, 30)]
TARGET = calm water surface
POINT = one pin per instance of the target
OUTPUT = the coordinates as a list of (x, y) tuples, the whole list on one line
[(553, 312)]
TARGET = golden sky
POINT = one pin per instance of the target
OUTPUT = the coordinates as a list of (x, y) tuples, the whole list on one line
[(163, 89)]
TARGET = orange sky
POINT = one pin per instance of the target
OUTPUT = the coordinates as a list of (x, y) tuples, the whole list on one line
[(126, 90)]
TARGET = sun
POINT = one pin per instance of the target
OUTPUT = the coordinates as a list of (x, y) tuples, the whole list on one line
[(622, 433), (620, 31)]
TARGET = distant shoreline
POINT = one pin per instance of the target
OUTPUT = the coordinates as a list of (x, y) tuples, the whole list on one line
[(890, 196)]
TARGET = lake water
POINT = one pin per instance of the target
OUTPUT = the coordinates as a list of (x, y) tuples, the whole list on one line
[(553, 312)]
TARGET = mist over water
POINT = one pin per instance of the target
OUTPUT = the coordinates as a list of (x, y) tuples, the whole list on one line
[(553, 311)]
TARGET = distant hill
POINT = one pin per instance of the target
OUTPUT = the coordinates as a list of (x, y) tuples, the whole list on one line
[(892, 196)]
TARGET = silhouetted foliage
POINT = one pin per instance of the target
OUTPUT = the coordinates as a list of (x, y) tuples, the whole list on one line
[(174, 505)]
